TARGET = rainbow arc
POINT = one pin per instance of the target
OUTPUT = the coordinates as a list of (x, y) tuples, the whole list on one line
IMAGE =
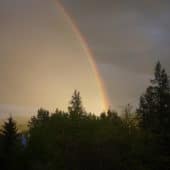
[(89, 54)]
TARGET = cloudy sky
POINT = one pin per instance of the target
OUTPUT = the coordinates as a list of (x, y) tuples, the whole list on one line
[(42, 62), (127, 37)]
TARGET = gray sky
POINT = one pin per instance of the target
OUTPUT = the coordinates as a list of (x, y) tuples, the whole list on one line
[(130, 34), (41, 61), (127, 37)]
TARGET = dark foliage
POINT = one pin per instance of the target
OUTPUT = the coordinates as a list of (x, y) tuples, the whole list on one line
[(77, 140), (9, 144), (154, 113)]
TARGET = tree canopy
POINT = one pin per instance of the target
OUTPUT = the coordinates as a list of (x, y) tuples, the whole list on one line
[(78, 140)]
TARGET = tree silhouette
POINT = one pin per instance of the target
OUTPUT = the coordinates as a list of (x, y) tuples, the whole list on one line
[(9, 134), (78, 140), (76, 107), (42, 117), (10, 141), (154, 108), (154, 113)]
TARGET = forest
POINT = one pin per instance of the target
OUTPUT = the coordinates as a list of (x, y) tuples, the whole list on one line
[(137, 139)]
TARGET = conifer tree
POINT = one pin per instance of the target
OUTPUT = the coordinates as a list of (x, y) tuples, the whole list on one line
[(9, 134), (154, 107), (10, 142), (76, 107), (41, 118)]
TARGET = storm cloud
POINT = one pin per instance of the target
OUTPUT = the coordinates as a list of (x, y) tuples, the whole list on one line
[(127, 38), (130, 34)]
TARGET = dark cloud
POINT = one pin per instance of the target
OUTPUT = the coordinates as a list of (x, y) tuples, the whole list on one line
[(127, 38), (130, 34)]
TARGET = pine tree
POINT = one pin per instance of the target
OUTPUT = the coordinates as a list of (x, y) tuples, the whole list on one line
[(154, 113), (76, 107), (154, 107), (10, 144), (9, 134)]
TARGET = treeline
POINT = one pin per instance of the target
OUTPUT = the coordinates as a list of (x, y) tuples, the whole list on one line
[(77, 140)]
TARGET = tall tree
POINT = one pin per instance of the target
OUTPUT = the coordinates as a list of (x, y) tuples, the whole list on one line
[(76, 108), (154, 107), (10, 143), (154, 113), (9, 134)]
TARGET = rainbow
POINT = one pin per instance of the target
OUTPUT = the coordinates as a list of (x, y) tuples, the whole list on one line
[(89, 53)]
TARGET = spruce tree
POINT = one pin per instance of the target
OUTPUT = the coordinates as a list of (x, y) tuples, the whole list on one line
[(154, 114), (9, 134), (76, 107), (10, 142), (154, 107)]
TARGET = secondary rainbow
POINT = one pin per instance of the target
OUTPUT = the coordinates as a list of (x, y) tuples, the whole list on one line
[(89, 53)]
